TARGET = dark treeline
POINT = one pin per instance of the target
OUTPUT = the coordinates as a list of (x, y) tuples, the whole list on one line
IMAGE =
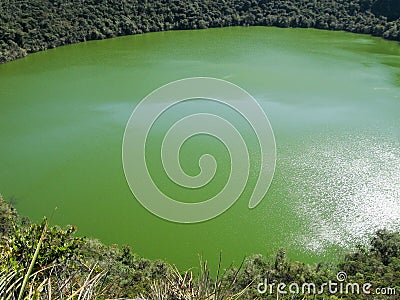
[(34, 25)]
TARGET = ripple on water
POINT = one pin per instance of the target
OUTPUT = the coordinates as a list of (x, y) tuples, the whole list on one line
[(347, 188)]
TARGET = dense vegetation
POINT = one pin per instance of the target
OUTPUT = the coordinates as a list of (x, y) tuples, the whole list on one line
[(32, 25), (58, 265)]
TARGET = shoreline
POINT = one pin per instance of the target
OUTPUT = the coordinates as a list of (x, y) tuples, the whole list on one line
[(117, 272), (41, 25)]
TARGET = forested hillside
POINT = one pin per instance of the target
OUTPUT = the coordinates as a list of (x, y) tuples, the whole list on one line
[(34, 25)]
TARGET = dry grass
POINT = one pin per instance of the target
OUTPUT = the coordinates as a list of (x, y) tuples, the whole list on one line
[(184, 287)]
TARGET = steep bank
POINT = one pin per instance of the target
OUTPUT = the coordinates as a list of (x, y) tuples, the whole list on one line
[(66, 265)]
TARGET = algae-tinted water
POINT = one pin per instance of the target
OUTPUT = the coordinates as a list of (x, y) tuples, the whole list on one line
[(333, 100)]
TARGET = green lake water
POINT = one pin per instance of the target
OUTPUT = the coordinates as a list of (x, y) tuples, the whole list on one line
[(333, 100)]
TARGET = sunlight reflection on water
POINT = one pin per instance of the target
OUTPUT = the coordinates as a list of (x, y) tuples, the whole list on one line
[(353, 189)]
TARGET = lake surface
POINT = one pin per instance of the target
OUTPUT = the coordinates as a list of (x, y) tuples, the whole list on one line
[(333, 100)]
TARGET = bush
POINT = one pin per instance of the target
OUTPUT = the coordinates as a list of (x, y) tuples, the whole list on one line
[(53, 260)]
